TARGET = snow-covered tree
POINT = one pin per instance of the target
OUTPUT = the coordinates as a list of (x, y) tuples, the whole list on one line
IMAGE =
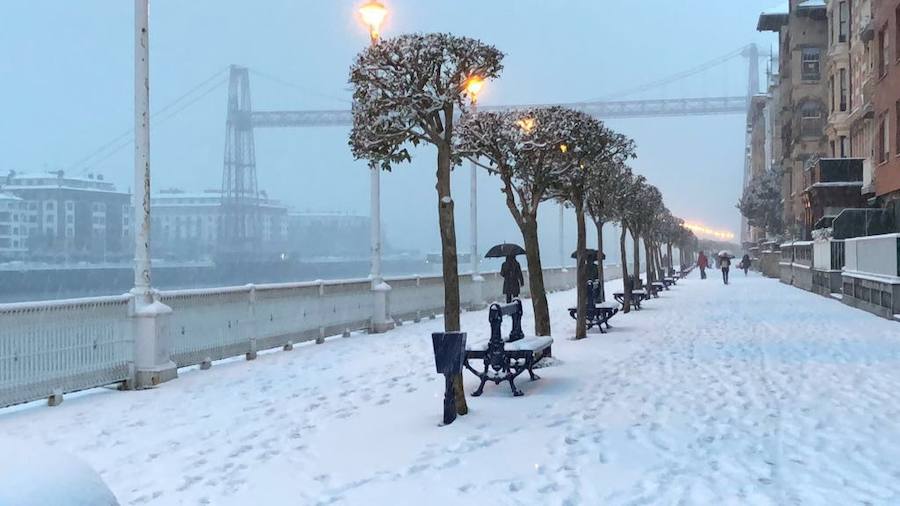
[(590, 147), (406, 91), (761, 202), (600, 202), (521, 147), (623, 206)]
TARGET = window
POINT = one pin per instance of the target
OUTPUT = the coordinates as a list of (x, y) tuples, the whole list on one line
[(843, 143), (809, 64), (882, 52), (810, 120), (843, 84), (883, 150), (897, 31), (831, 87), (897, 126), (70, 205), (843, 21)]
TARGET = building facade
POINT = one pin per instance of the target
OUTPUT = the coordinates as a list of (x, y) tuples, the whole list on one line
[(12, 228), (803, 98), (187, 225), (67, 218), (886, 100)]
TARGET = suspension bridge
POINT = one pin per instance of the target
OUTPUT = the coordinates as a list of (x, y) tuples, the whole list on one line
[(240, 196)]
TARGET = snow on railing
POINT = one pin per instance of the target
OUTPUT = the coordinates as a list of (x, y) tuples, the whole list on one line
[(53, 347)]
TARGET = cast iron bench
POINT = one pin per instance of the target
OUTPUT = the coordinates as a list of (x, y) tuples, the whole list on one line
[(598, 313), (506, 359), (637, 296)]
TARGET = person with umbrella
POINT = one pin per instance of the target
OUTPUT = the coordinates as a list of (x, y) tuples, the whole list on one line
[(510, 271), (593, 271), (725, 264)]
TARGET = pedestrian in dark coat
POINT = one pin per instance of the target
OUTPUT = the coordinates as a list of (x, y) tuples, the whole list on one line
[(745, 263), (511, 272)]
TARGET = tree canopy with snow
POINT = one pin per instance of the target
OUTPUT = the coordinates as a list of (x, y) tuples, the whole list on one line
[(406, 91), (522, 148), (761, 202), (589, 148)]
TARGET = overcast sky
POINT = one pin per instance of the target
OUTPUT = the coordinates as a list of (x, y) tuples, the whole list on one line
[(68, 81)]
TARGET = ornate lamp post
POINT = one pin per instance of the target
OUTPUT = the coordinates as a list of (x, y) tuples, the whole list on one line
[(474, 85), (373, 14), (152, 340)]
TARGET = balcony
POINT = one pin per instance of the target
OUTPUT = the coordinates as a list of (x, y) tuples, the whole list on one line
[(832, 184)]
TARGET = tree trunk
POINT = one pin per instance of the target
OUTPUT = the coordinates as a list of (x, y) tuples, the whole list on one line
[(626, 307), (670, 252), (581, 277), (636, 237), (600, 275), (648, 256), (536, 276), (450, 261)]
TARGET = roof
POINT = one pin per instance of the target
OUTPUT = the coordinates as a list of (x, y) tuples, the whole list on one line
[(812, 4), (772, 19)]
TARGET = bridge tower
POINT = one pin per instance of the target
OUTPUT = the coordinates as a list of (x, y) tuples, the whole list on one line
[(239, 227)]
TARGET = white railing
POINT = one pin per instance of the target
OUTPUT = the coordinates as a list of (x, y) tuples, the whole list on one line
[(875, 255), (49, 348), (55, 347)]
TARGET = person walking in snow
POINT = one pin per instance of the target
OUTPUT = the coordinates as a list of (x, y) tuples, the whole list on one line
[(511, 272), (702, 263), (745, 263), (725, 265)]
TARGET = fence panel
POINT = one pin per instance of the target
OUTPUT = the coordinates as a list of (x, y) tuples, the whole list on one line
[(63, 346)]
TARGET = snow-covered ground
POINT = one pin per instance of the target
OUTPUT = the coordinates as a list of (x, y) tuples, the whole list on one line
[(753, 393)]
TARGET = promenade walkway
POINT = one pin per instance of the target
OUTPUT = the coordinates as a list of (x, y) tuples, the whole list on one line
[(752, 393)]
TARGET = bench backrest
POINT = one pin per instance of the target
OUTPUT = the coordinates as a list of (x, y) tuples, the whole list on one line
[(495, 318)]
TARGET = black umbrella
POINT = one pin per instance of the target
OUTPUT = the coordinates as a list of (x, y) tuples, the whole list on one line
[(591, 253), (504, 250)]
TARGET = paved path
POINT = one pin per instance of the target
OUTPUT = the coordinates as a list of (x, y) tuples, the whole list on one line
[(752, 393)]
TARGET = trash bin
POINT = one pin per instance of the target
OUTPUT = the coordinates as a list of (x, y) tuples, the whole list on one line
[(449, 354)]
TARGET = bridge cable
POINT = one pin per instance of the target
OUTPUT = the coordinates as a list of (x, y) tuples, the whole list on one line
[(128, 134), (300, 87), (675, 77)]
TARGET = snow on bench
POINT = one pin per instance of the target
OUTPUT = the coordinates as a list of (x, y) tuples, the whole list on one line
[(506, 359)]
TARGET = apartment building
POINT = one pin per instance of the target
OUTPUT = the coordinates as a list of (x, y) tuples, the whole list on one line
[(803, 97), (886, 100), (82, 218)]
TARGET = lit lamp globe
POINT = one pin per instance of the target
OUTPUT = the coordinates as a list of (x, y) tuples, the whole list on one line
[(373, 14)]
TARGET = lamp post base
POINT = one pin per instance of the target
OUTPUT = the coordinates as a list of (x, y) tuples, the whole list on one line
[(152, 344), (381, 321), (477, 300)]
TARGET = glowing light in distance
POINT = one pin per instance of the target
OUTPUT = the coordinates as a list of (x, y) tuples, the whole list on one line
[(700, 229)]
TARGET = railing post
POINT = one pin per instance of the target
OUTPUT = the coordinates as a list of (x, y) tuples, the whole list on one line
[(320, 339), (251, 314), (381, 321)]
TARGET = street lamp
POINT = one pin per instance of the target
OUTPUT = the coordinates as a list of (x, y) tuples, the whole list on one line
[(474, 84), (373, 14)]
